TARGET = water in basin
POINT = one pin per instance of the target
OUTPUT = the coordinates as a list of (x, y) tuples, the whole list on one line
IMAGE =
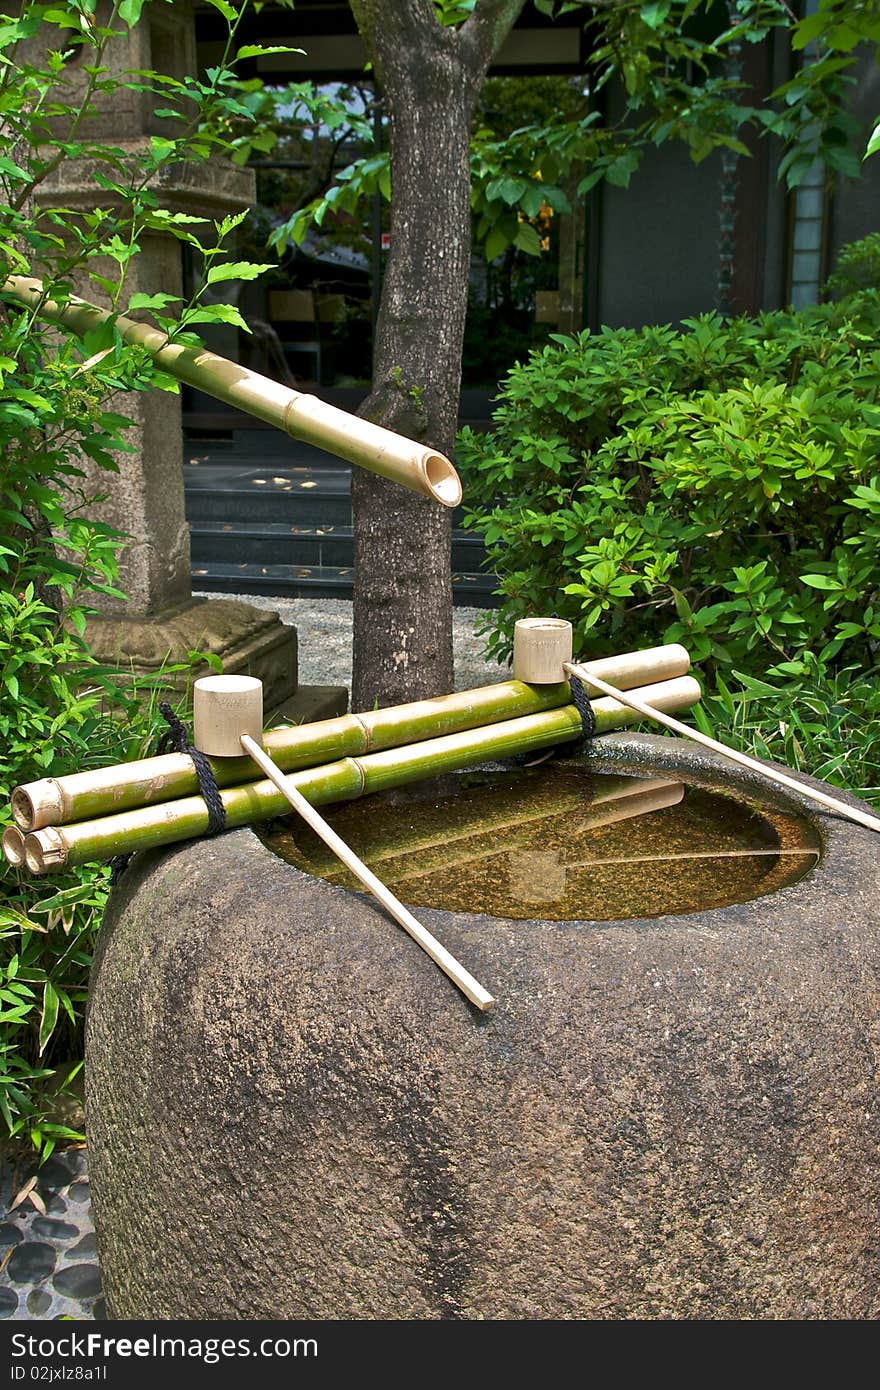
[(557, 842)]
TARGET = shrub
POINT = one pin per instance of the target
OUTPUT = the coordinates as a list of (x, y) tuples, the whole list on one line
[(717, 486)]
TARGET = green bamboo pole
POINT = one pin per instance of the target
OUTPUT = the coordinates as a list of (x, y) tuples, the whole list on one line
[(104, 791), (186, 818), (414, 466)]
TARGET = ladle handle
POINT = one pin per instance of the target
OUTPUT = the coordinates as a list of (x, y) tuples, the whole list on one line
[(438, 953), (584, 674)]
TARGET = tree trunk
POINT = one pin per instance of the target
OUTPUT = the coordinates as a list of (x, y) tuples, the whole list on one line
[(430, 77)]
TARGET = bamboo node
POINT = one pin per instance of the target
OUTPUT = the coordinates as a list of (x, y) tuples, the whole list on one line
[(365, 729), (361, 775)]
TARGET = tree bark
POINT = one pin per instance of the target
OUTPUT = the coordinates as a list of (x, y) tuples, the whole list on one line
[(430, 77)]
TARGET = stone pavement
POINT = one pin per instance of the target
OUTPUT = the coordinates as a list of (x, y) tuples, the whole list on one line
[(47, 1241)]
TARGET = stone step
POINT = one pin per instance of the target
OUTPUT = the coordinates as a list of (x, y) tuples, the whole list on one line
[(272, 515), (250, 492), (272, 543), (471, 590)]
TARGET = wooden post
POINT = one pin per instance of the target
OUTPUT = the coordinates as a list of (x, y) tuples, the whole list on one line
[(227, 711)]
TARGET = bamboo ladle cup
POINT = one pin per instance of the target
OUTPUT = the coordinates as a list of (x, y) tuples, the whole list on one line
[(542, 653), (228, 717)]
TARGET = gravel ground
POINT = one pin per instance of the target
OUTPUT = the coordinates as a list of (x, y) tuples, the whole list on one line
[(324, 633)]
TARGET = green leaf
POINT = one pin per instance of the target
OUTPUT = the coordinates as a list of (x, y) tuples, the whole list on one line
[(874, 142), (130, 11), (496, 242), (49, 1016), (152, 301), (208, 658), (236, 270), (820, 581), (590, 181), (654, 14), (527, 239), (225, 9), (511, 190), (14, 171), (259, 50), (620, 171), (216, 313)]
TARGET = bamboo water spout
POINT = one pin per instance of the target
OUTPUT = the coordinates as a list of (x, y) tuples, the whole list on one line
[(303, 416)]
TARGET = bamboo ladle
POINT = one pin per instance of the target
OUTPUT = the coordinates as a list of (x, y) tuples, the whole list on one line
[(542, 653), (228, 717)]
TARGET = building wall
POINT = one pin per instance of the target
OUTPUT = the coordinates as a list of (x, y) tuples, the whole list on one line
[(855, 210), (658, 243)]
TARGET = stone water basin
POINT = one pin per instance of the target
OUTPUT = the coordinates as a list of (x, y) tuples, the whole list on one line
[(292, 1113)]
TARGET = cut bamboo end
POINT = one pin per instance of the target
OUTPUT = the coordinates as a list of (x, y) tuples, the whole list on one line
[(13, 846), (45, 850), (441, 479), (405, 461), (37, 804)]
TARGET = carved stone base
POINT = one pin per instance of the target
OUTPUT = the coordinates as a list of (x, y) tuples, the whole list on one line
[(249, 641)]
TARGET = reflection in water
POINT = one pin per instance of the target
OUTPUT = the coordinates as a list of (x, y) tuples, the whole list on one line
[(554, 842)]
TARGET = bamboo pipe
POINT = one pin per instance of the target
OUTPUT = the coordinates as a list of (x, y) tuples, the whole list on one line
[(123, 786), (13, 846), (186, 818), (228, 717), (105, 791), (414, 466)]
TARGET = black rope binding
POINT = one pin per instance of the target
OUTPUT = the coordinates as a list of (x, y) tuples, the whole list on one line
[(583, 707), (563, 750), (176, 737)]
